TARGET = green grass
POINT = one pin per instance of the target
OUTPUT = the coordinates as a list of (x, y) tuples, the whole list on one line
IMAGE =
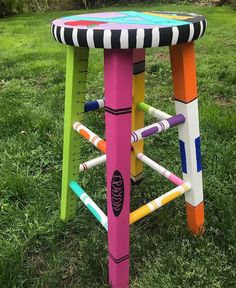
[(39, 250)]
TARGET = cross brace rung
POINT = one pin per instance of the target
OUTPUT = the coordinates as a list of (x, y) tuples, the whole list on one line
[(153, 111), (159, 202), (90, 204), (160, 169), (94, 105)]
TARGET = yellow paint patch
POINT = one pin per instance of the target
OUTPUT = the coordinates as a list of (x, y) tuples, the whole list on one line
[(170, 197), (177, 17), (139, 213), (137, 121)]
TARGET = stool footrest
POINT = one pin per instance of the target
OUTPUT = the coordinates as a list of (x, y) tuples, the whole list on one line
[(89, 203), (158, 127), (153, 111), (92, 163), (158, 202), (160, 169), (94, 105)]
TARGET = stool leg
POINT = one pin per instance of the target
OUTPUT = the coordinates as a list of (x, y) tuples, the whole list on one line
[(137, 115), (76, 73), (186, 103), (118, 99)]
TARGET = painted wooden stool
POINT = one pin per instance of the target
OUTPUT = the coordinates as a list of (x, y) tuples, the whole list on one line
[(124, 37)]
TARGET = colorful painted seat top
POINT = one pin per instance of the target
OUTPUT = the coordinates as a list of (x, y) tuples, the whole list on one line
[(128, 29)]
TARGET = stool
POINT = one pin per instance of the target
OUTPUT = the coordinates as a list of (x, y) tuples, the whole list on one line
[(124, 37)]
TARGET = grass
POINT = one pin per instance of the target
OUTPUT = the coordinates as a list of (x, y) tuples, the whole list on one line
[(37, 249)]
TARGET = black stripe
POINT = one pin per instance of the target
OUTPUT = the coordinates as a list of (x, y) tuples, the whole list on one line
[(58, 29), (115, 39), (184, 31), (118, 260), (204, 26), (82, 37), (166, 35), (53, 28), (68, 36), (139, 67), (98, 38), (117, 110), (147, 38), (196, 30), (118, 113), (132, 38), (186, 102)]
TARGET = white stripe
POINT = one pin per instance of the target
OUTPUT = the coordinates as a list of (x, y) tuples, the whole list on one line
[(62, 35), (175, 36), (155, 37), (201, 29), (55, 32), (166, 124), (166, 173), (74, 37), (124, 39), (90, 39), (101, 101), (191, 32), (140, 38), (107, 39), (151, 207)]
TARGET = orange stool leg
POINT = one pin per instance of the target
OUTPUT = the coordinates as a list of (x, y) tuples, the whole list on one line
[(186, 103)]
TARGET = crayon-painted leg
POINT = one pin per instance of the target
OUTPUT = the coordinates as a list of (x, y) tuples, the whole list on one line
[(186, 103), (76, 73), (137, 115), (118, 99)]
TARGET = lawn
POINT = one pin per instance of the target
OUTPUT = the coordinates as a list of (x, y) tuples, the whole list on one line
[(37, 249)]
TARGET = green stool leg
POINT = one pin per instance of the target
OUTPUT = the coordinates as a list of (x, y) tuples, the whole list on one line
[(76, 74)]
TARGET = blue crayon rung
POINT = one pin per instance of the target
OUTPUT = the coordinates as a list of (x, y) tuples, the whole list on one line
[(93, 105)]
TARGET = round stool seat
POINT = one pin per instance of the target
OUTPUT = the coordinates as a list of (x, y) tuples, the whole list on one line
[(128, 29)]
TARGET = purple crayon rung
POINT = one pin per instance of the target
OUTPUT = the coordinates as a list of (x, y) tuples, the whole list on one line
[(149, 132), (157, 127), (176, 120)]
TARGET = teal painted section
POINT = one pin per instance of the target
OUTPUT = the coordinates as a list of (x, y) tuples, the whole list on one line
[(156, 20), (83, 196), (76, 188), (94, 212)]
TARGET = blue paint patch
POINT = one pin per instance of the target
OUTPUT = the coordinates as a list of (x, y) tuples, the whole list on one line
[(198, 153), (91, 105), (183, 156)]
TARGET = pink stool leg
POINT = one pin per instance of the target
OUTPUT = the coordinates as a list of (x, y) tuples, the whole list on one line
[(118, 102)]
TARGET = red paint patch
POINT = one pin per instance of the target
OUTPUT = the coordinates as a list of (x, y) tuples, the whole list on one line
[(83, 23)]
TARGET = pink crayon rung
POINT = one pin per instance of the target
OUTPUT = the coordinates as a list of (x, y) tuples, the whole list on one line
[(161, 170)]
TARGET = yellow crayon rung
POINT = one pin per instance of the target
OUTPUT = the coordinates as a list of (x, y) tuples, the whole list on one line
[(159, 202)]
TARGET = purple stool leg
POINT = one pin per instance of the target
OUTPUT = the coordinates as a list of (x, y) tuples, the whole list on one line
[(118, 102)]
